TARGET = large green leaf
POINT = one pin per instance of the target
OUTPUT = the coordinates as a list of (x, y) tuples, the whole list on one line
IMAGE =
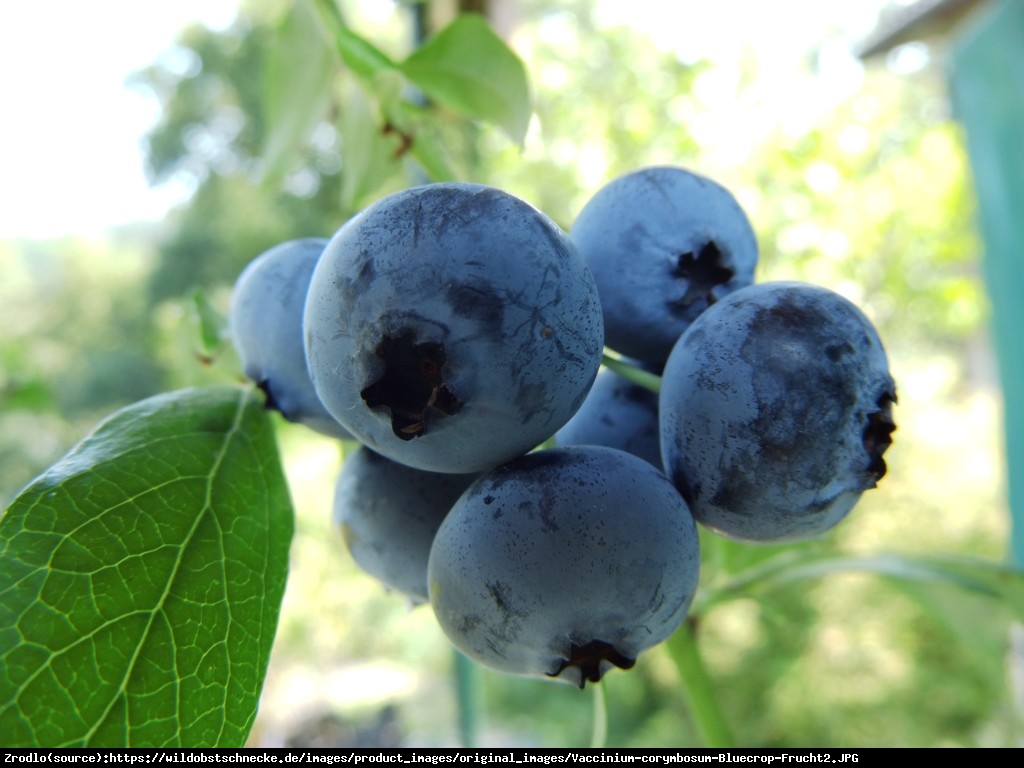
[(466, 67), (296, 87), (142, 577)]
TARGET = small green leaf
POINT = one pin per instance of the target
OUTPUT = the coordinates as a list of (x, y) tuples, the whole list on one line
[(23, 392), (211, 322), (357, 53), (141, 579), (466, 67), (360, 55), (297, 87), (429, 153), (369, 150), (428, 150)]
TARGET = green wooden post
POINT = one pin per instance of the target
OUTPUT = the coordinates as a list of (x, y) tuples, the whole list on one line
[(987, 85)]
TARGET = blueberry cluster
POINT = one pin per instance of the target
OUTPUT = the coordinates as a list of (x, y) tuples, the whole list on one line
[(546, 511)]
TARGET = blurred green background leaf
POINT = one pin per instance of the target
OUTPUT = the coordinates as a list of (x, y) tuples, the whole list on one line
[(299, 63), (468, 68)]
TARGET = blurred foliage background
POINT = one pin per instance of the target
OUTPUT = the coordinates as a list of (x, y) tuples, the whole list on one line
[(863, 188)]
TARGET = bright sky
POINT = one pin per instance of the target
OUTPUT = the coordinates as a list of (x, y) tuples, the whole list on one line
[(70, 158), (70, 131)]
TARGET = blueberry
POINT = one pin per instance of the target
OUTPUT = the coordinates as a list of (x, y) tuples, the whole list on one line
[(265, 321), (776, 409), (617, 414), (388, 514), (452, 327), (564, 563), (664, 244)]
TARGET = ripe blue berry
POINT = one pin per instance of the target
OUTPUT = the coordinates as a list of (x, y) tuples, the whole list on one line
[(617, 414), (776, 409), (564, 563), (452, 327), (265, 321), (664, 244), (388, 514)]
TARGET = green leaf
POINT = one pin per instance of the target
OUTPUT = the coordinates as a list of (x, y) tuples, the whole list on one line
[(466, 67), (211, 322), (142, 576), (360, 55), (357, 53), (25, 392), (428, 150), (369, 150), (297, 87)]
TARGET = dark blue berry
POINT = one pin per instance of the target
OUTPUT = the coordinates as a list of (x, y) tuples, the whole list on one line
[(388, 514), (776, 410), (664, 244), (617, 414), (265, 320), (564, 563), (452, 327)]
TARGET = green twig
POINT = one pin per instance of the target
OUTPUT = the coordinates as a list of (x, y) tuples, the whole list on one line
[(469, 696), (600, 733), (627, 370), (698, 688)]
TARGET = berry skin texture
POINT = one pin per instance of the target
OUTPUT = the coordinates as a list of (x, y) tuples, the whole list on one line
[(617, 414), (388, 514), (452, 327), (265, 321), (564, 563), (663, 243), (776, 408)]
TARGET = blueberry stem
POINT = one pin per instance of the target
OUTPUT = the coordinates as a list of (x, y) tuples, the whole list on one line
[(698, 688), (643, 378), (599, 735), (469, 697)]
